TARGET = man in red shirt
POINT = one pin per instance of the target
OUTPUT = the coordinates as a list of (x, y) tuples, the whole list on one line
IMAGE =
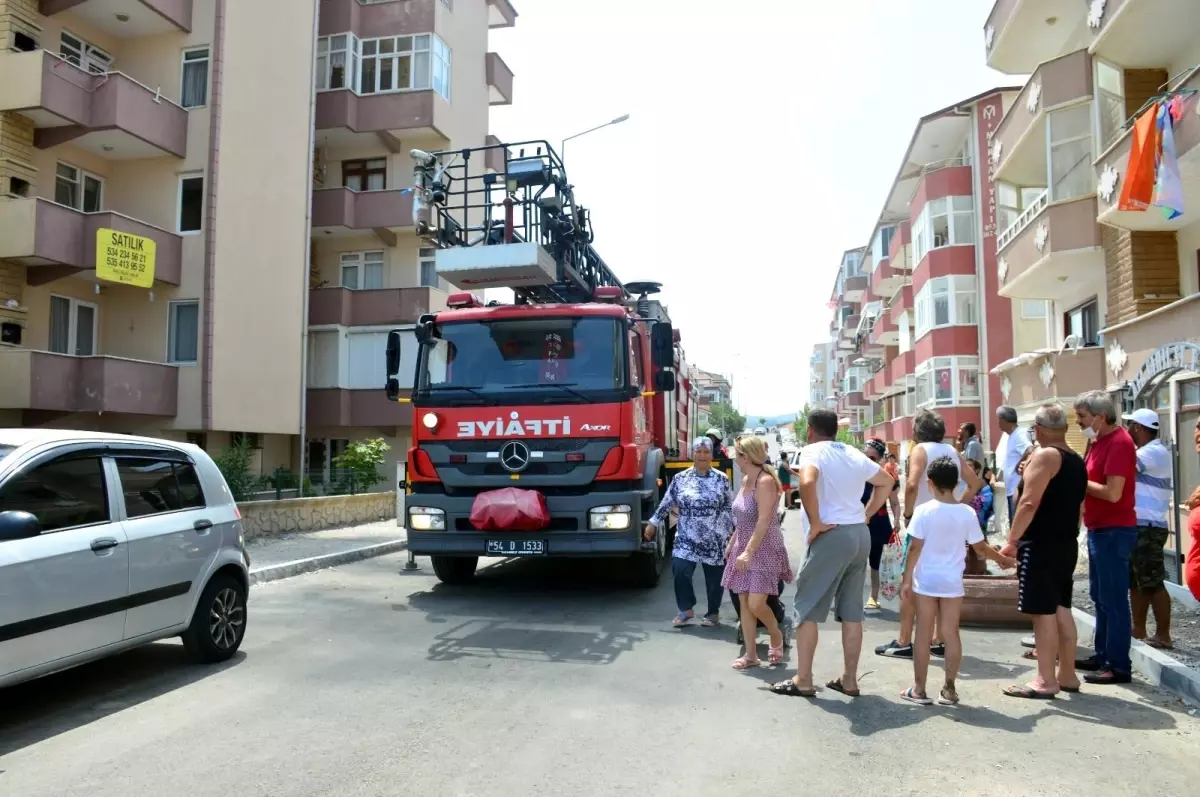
[(1108, 514)]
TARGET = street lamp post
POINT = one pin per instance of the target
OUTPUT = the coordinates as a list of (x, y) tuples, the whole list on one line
[(563, 148)]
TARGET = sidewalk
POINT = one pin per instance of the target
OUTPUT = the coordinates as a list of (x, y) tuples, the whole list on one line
[(277, 556)]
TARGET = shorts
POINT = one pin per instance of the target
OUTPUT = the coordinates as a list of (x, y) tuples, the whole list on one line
[(1147, 569), (881, 532), (833, 576), (1045, 577)]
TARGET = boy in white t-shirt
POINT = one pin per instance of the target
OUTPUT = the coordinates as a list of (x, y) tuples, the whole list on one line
[(941, 530)]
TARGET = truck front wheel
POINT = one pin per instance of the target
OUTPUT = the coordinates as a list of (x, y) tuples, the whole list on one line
[(647, 565), (454, 569)]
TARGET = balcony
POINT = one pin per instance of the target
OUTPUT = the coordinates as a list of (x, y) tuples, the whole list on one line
[(499, 80), (41, 380), (374, 20), (1142, 351), (349, 308), (493, 159), (501, 14), (855, 288), (1114, 163), (875, 387), (885, 332), (111, 115), (342, 407), (940, 179), (1019, 146), (1121, 33), (902, 366), (1020, 34), (127, 18), (1048, 375), (1045, 255), (55, 241), (885, 280), (900, 253), (353, 119), (341, 211), (902, 302)]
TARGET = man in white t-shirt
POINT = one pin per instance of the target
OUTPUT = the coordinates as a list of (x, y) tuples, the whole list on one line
[(1014, 449), (834, 572)]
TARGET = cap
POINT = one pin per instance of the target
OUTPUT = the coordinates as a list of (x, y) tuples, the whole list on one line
[(714, 431), (1145, 417)]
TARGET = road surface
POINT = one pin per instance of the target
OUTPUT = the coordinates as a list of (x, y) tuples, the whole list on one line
[(544, 678)]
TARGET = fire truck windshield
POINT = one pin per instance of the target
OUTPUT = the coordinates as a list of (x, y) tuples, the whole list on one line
[(515, 361)]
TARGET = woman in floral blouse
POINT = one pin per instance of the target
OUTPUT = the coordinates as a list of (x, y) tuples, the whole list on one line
[(702, 497)]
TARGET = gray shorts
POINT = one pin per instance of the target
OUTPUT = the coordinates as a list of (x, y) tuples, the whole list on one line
[(833, 575)]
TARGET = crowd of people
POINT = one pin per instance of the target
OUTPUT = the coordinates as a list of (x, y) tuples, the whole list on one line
[(1119, 491)]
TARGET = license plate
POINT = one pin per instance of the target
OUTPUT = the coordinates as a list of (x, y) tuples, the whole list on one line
[(516, 547)]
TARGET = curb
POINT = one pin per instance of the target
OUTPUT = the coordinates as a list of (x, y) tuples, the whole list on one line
[(1155, 666), (268, 573)]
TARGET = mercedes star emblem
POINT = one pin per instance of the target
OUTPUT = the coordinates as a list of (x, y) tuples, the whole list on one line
[(514, 456)]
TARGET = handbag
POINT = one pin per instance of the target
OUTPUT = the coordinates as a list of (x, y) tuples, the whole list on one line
[(891, 568)]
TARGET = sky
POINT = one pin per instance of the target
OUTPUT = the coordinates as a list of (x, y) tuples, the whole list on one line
[(762, 140)]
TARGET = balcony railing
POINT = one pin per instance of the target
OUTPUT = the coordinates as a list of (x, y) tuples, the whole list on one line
[(1024, 220)]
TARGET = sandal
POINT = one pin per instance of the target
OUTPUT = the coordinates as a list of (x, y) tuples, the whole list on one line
[(1031, 655), (948, 696), (910, 694), (1027, 692), (1159, 644), (872, 604), (682, 619), (743, 663), (788, 688), (711, 621), (774, 655), (836, 685)]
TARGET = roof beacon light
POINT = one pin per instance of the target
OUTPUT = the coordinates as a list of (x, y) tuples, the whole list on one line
[(463, 299), (608, 293)]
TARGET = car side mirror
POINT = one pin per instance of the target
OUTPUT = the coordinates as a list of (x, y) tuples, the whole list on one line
[(662, 345), (16, 525), (664, 381)]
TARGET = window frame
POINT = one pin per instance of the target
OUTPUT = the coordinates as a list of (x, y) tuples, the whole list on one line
[(922, 227), (87, 50), (1094, 303), (184, 177), (183, 64), (361, 170), (1088, 136), (440, 63), (925, 375), (1040, 316), (172, 319), (81, 177), (1102, 142), (924, 303), (424, 260), (360, 262), (351, 65), (73, 325)]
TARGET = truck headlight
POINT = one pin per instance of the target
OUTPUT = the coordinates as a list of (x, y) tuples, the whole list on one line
[(426, 518), (616, 517)]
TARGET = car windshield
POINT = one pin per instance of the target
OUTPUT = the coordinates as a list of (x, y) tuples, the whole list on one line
[(566, 357)]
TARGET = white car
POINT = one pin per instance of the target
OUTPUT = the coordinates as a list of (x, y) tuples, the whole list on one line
[(108, 542)]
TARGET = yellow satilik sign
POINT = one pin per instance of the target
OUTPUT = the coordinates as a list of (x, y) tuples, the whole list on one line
[(125, 258)]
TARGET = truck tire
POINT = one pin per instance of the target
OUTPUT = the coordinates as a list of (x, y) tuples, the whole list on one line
[(454, 569), (646, 566)]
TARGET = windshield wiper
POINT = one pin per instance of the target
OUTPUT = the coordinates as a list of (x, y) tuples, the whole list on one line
[(474, 391), (565, 386)]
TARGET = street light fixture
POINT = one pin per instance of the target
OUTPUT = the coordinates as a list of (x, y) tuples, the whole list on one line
[(622, 118)]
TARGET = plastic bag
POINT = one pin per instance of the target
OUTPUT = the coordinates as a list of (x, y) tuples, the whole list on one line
[(891, 568), (510, 509)]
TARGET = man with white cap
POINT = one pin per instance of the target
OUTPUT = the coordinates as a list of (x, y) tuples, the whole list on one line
[(1152, 503)]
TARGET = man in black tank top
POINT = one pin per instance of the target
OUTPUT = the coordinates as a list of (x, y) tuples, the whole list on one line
[(1044, 538)]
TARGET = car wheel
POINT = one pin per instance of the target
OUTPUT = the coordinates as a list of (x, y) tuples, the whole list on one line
[(219, 623), (454, 569)]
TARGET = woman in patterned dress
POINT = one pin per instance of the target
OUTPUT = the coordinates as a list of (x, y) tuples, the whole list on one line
[(757, 559), (702, 497)]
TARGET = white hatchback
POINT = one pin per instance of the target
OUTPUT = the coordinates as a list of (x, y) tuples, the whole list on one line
[(108, 542)]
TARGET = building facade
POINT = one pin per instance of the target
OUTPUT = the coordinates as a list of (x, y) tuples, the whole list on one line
[(273, 203)]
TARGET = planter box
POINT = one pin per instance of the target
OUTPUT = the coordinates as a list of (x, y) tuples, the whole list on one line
[(991, 602)]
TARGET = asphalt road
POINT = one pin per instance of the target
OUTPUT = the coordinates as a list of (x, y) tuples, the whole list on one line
[(551, 678)]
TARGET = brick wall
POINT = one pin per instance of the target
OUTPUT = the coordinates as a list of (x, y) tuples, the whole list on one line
[(1141, 85), (1139, 265)]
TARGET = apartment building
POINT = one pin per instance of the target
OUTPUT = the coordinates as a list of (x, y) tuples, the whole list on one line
[(194, 257), (821, 364)]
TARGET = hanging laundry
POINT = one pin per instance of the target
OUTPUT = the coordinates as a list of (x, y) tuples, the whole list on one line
[(1176, 106), (1168, 186), (1137, 187)]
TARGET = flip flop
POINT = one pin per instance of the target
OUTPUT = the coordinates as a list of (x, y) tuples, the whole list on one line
[(910, 694), (711, 621), (788, 688), (1071, 690), (871, 604), (1030, 654), (682, 619), (1028, 693), (836, 685), (948, 697), (1158, 644), (743, 663)]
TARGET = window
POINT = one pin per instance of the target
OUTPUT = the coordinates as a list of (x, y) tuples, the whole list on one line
[(947, 221), (191, 203), (78, 189), (881, 246), (23, 42), (83, 55), (362, 270), (337, 62), (153, 486), (183, 332), (198, 439), (947, 381), (635, 359), (428, 261), (193, 90), (365, 175), (946, 301), (1110, 103), (405, 63), (1008, 205), (61, 494), (856, 377), (1033, 308), (1083, 321), (1071, 172), (72, 326)]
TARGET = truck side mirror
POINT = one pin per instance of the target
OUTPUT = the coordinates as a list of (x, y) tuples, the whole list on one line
[(393, 354), (662, 345), (664, 381)]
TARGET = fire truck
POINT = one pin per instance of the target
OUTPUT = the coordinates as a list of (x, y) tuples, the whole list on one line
[(573, 393)]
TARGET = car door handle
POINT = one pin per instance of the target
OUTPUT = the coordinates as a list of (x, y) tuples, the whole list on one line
[(104, 544), (202, 525)]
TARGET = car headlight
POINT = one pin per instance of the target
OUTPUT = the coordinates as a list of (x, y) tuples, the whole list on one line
[(426, 518), (616, 517)]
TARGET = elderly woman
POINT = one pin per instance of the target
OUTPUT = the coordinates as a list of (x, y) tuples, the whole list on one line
[(703, 498)]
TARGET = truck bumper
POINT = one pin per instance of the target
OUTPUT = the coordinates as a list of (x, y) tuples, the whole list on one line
[(571, 512)]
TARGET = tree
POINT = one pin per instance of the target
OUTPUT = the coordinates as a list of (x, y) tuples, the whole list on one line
[(362, 459), (234, 464), (762, 421), (727, 419), (800, 427)]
